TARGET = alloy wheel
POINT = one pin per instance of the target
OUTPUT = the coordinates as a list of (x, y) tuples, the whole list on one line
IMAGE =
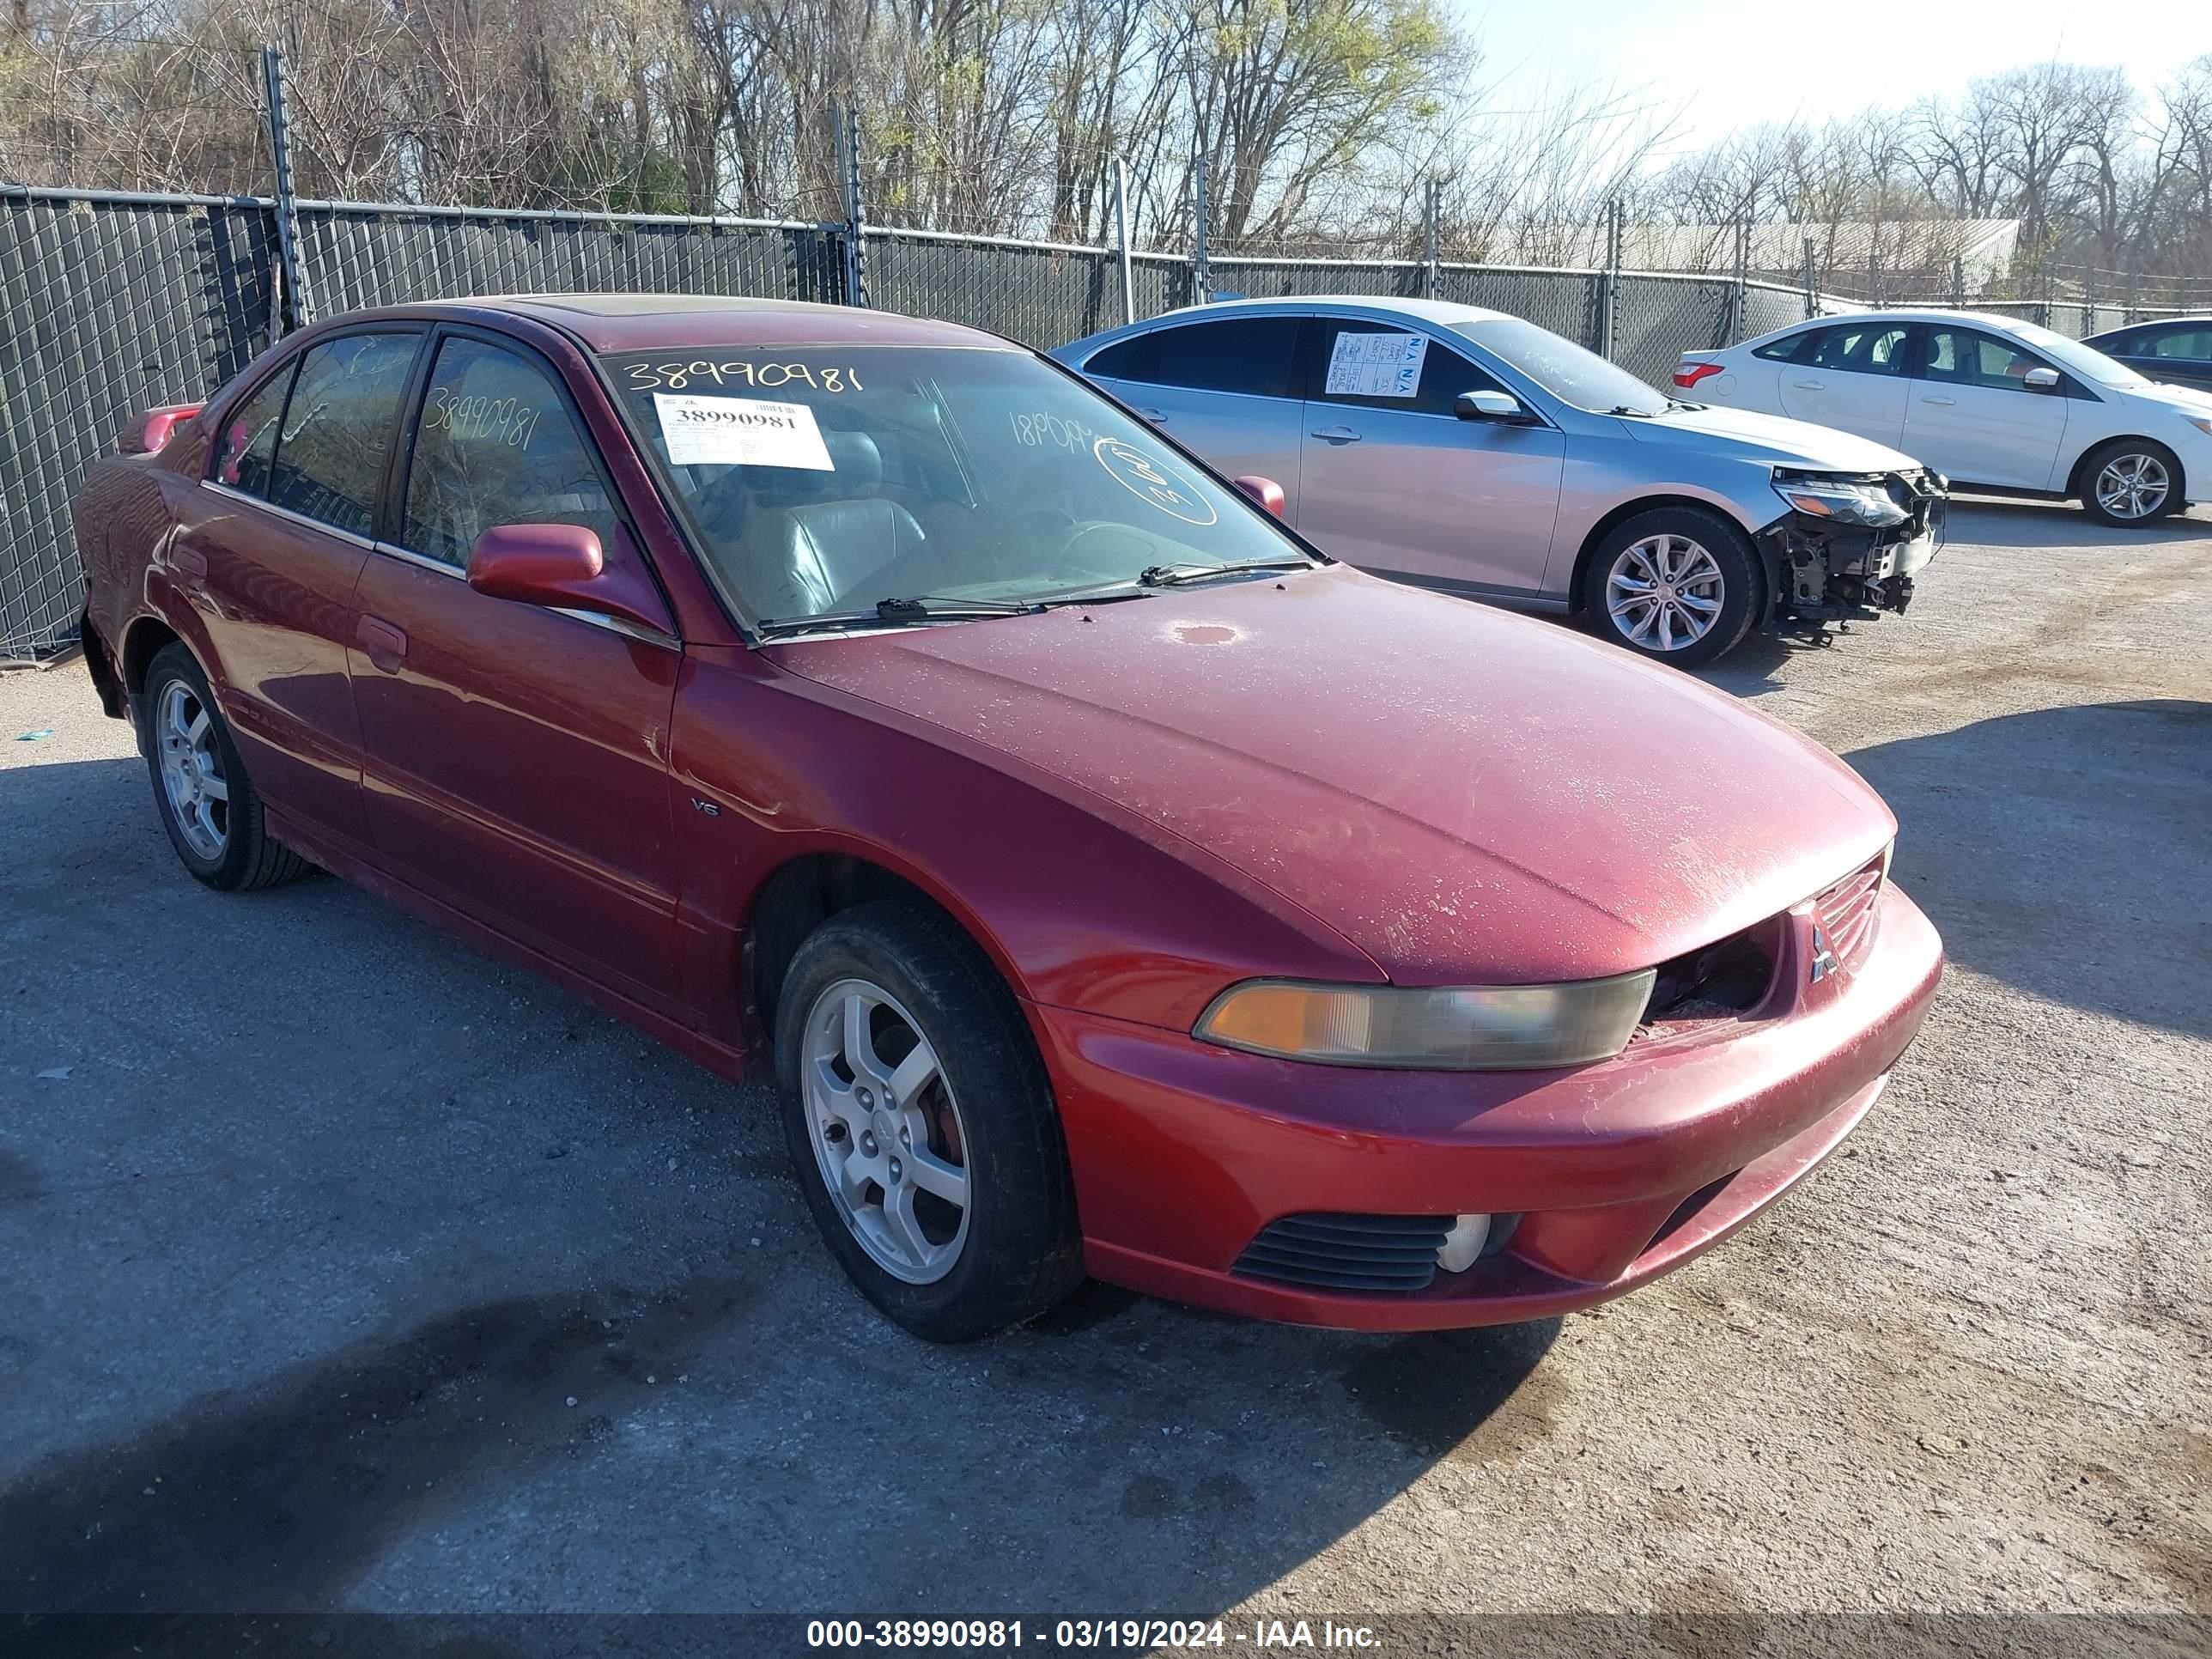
[(1665, 592), (2132, 486), (886, 1131), (191, 769)]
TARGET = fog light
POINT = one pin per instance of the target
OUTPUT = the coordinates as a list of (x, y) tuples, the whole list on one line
[(1463, 1243)]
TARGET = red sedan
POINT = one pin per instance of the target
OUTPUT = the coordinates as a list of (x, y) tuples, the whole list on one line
[(1114, 884)]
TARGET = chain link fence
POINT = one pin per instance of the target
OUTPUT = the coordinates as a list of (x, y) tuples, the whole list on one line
[(116, 303)]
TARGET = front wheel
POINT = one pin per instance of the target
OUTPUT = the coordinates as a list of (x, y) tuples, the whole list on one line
[(2130, 482), (1674, 584), (922, 1125)]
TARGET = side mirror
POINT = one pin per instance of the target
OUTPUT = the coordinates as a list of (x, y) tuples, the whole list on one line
[(1488, 407), (2041, 380), (1266, 491), (562, 567)]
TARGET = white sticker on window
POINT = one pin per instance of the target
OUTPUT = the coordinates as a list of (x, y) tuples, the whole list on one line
[(1376, 365), (740, 432)]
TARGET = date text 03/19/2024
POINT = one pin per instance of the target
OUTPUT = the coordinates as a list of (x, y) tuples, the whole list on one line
[(1129, 1635)]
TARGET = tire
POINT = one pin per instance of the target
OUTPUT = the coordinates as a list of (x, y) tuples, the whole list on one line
[(1009, 1252), (1715, 557), (2132, 463), (222, 842)]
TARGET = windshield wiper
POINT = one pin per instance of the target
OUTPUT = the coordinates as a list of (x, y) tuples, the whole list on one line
[(903, 613), (1170, 575), (1623, 409)]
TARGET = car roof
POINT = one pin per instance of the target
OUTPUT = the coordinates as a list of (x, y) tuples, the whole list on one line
[(646, 322), (2195, 319)]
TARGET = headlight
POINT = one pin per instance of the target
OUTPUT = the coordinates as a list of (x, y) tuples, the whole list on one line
[(1477, 1028), (2202, 424), (1844, 499)]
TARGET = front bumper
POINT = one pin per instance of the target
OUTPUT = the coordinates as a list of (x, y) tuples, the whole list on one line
[(1820, 571), (1183, 1153)]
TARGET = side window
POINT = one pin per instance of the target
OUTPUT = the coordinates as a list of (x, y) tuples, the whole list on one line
[(1965, 357), (248, 443), (337, 428), (1125, 360), (2189, 345), (1867, 347), (494, 443), (1251, 356), (1374, 365), (1786, 348)]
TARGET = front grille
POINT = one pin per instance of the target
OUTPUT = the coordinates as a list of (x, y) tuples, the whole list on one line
[(1390, 1253), (1844, 913)]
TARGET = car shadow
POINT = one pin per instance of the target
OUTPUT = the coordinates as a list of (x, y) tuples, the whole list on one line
[(350, 1269), (2007, 522), (2066, 851)]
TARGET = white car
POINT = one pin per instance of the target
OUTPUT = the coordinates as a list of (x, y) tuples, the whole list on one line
[(1993, 404)]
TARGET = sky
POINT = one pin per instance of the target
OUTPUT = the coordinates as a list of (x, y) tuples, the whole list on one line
[(1719, 64)]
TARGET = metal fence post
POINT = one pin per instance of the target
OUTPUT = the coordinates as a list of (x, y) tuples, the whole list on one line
[(1958, 280), (1812, 287), (294, 308), (1609, 280), (1737, 291), (1121, 240), (1202, 279), (1431, 201), (856, 225)]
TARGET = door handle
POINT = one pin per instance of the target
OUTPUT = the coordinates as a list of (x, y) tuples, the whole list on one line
[(1338, 434), (381, 643), (1810, 385), (1943, 402), (1156, 416)]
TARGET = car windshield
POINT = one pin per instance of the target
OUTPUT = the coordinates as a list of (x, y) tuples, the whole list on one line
[(1574, 376), (2084, 361), (821, 481)]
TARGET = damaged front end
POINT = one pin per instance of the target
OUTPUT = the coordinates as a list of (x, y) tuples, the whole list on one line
[(1850, 545)]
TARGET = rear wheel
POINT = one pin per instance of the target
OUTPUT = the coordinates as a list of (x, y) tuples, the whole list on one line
[(1675, 584), (922, 1126), (206, 802), (2130, 482)]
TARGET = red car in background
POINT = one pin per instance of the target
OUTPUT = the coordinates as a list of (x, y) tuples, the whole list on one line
[(1115, 883)]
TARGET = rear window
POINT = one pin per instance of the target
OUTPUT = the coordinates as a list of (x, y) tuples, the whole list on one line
[(820, 480)]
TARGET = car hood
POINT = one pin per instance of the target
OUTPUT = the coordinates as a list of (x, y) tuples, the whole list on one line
[(2186, 398), (1774, 438), (1462, 794)]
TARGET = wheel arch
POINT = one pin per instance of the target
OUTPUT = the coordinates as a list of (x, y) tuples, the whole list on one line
[(143, 640), (806, 889), (2076, 479), (1605, 526)]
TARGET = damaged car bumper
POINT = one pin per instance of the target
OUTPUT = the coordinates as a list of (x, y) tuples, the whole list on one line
[(1850, 545)]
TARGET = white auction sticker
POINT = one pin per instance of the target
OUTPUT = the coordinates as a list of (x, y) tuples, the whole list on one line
[(1376, 365), (740, 432)]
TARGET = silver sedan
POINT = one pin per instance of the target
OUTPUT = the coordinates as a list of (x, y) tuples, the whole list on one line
[(1470, 450)]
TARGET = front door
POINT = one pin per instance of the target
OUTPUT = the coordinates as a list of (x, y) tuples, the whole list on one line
[(1393, 481), (275, 539), (516, 758), (1974, 417), (1852, 377)]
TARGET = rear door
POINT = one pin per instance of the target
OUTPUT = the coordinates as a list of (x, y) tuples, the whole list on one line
[(1851, 376), (516, 758), (1223, 387), (275, 539), (1974, 416), (1394, 481)]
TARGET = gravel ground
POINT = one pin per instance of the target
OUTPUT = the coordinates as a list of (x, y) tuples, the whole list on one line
[(341, 1267)]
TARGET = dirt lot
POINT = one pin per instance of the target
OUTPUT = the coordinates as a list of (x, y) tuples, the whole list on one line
[(341, 1267)]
